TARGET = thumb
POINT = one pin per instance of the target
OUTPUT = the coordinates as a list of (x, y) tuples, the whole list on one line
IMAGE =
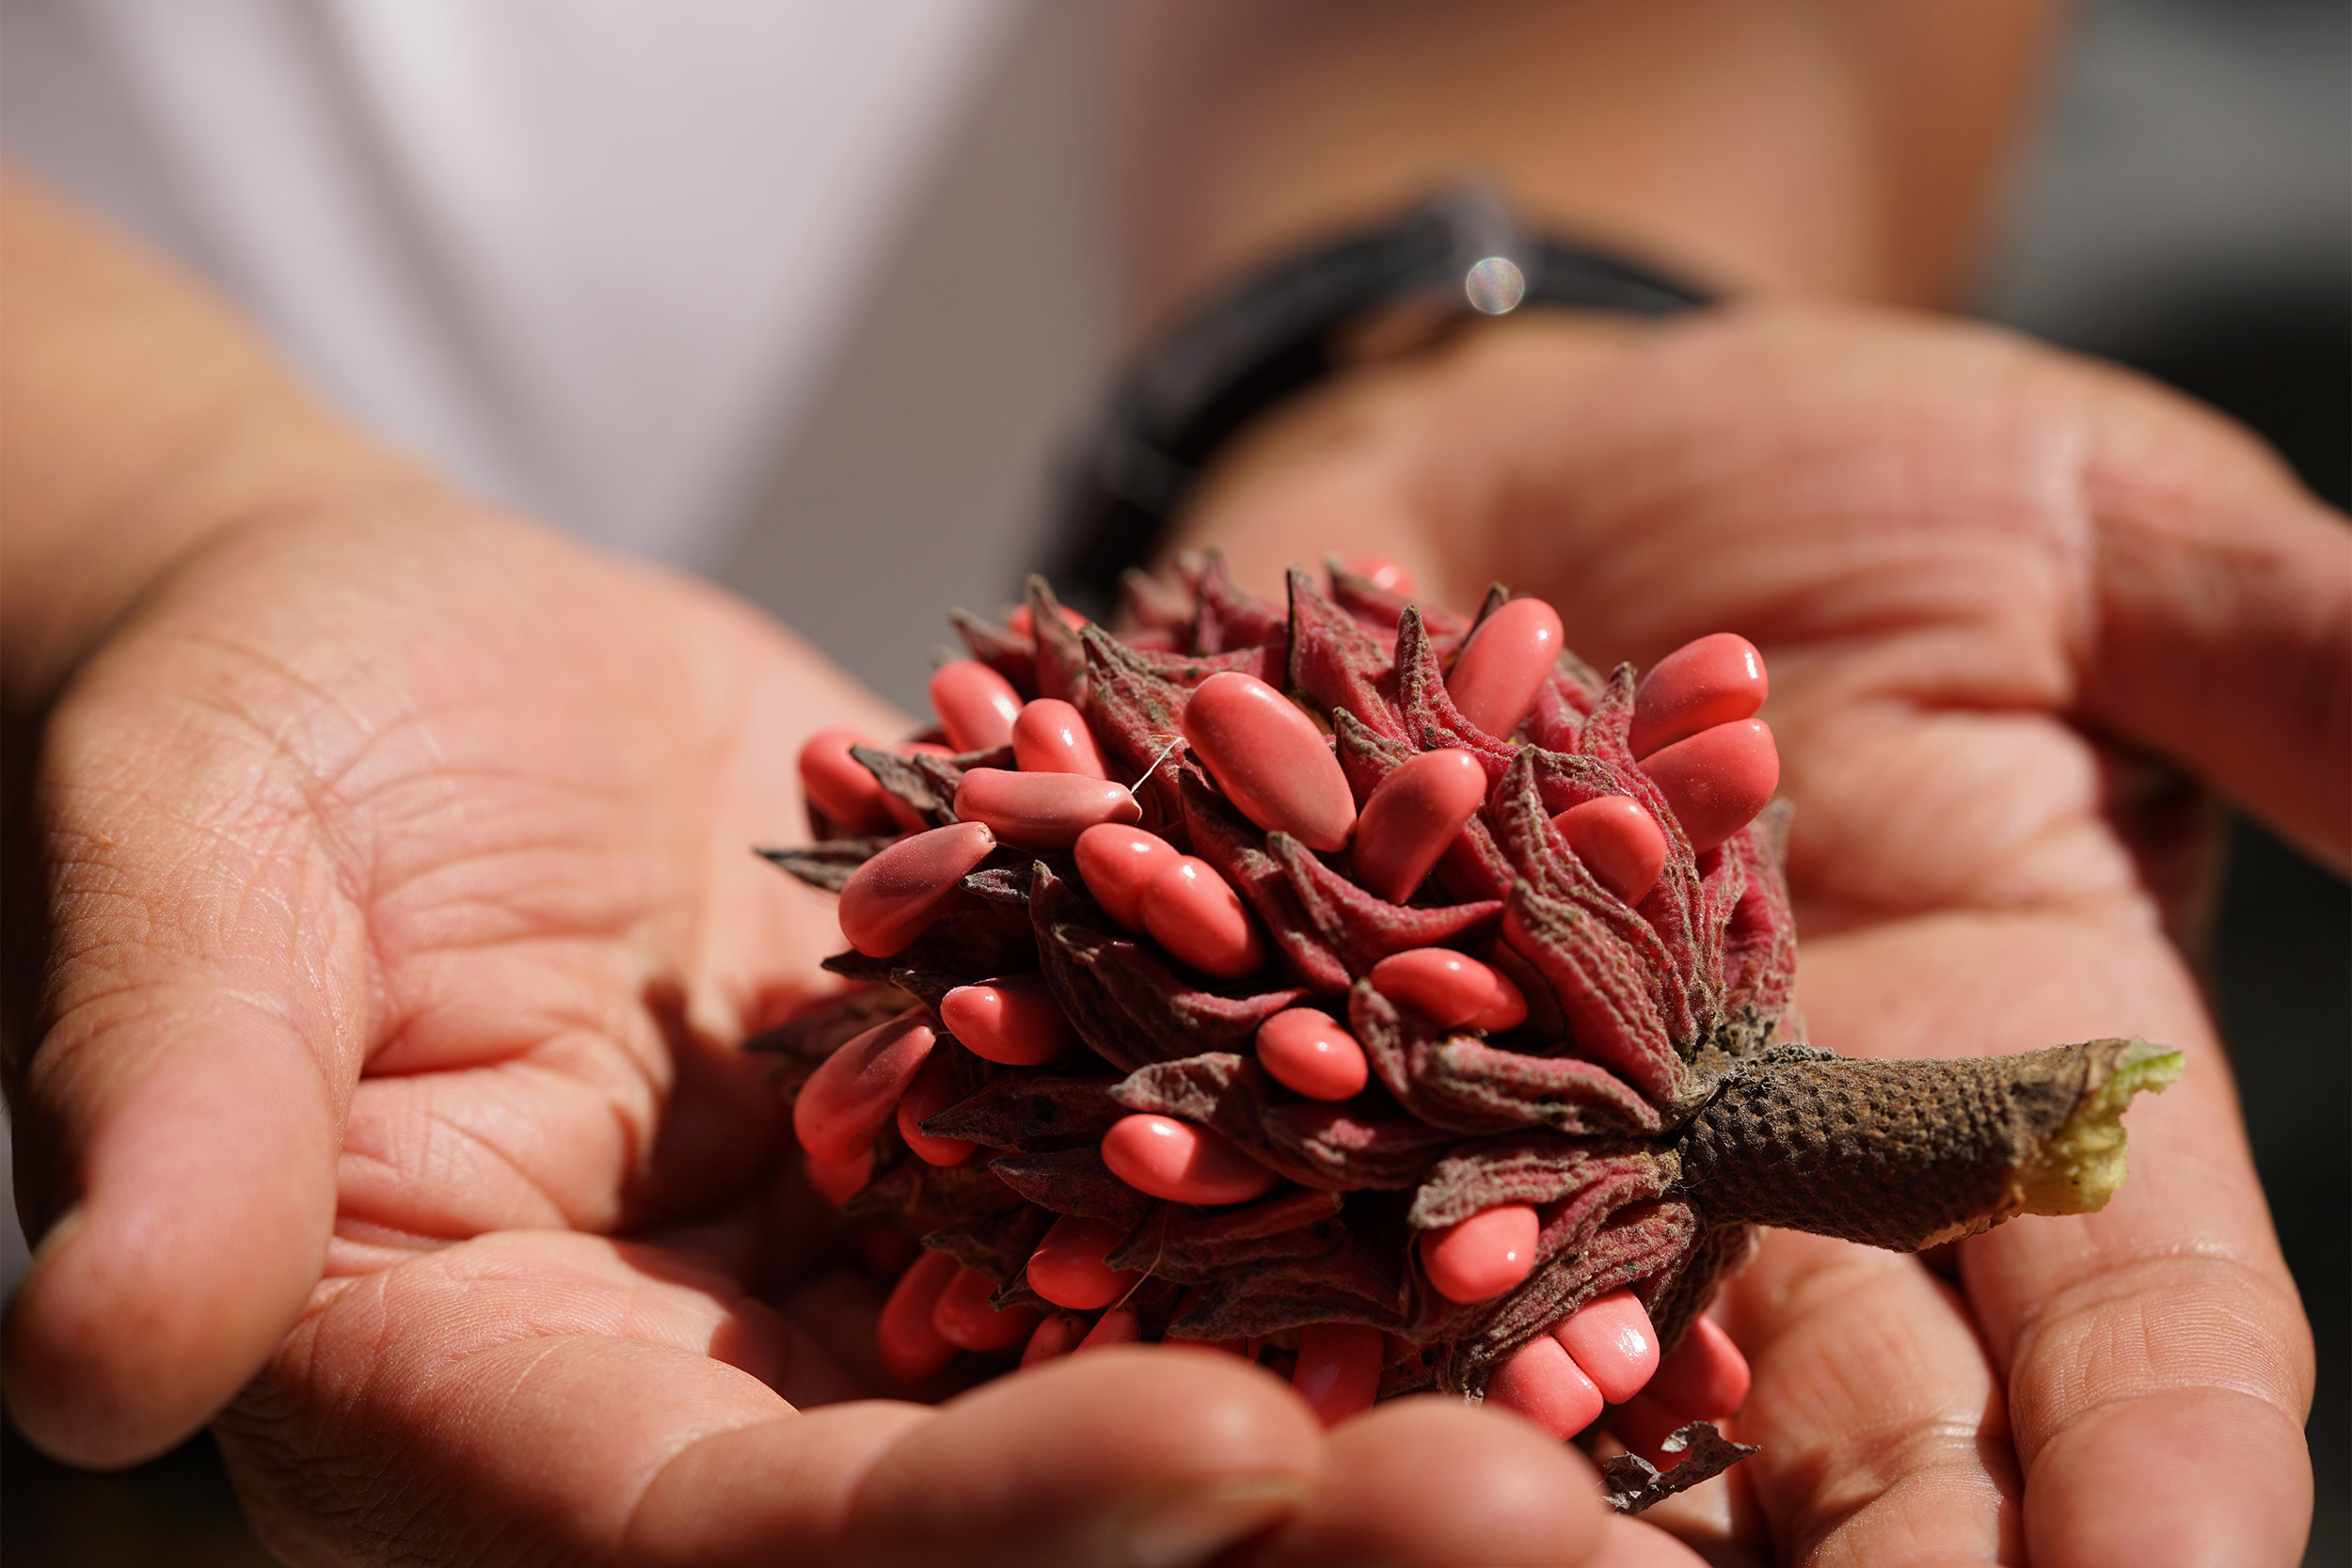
[(201, 1024), (2223, 615)]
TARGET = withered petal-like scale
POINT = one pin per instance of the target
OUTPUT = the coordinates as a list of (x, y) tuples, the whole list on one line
[(1316, 1145), (1360, 928), (1457, 1082), (1234, 847), (1337, 664), (1030, 1109), (1192, 1245), (1070, 1181), (998, 1244), (1127, 1006)]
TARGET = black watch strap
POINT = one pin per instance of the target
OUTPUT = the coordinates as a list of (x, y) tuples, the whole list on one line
[(1290, 326)]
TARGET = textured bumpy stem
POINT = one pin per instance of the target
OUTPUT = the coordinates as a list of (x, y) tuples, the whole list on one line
[(1908, 1154)]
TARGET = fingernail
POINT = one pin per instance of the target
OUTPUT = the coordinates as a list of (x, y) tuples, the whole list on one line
[(1197, 1527)]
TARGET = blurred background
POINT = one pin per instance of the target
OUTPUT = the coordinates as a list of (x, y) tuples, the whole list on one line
[(2187, 209)]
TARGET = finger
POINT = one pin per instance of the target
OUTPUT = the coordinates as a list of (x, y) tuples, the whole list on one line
[(1883, 1433), (178, 1124), (556, 1396), (2120, 1335), (1431, 1481), (520, 1390), (2223, 612)]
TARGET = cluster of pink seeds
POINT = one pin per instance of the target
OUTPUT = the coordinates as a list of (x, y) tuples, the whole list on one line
[(1694, 732)]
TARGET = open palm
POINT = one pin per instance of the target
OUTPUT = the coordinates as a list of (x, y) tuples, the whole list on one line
[(404, 925), (2006, 599)]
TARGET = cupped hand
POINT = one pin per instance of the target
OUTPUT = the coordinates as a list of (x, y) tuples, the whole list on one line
[(2016, 607), (403, 926)]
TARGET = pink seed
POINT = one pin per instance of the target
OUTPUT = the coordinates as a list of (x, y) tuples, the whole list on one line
[(1067, 1268), (1619, 842), (1184, 1163), (888, 901), (1717, 780), (1706, 1375), (1115, 1327), (975, 705), (1499, 671), (1540, 1383), (1482, 1255), (1014, 1019), (1339, 1369), (1450, 990), (1118, 863), (1051, 736), (838, 1184), (963, 1317), (1196, 914), (1412, 816), (856, 1089), (1041, 811), (1057, 1337), (1713, 681), (1388, 575), (1309, 1053), (912, 1348), (1611, 1338), (1270, 760), (932, 1091), (840, 785)]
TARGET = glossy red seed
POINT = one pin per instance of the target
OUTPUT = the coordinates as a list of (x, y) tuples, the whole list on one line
[(1307, 1053), (1540, 1383), (1412, 816), (1388, 575), (1495, 678), (912, 1347), (1196, 914), (963, 1317), (840, 785), (1041, 811), (1058, 1336), (1067, 1268), (1618, 841), (1270, 760), (1174, 1159), (1482, 1255), (932, 1091), (838, 1184), (977, 706), (1051, 736), (888, 901), (1713, 681), (1717, 780), (1118, 863), (1014, 1019), (857, 1089), (1338, 1372), (1452, 990), (1612, 1340), (1118, 1326)]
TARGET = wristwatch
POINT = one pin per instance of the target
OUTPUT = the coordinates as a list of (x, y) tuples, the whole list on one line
[(1353, 298)]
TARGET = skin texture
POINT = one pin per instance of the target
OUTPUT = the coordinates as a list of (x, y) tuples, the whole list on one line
[(2013, 604)]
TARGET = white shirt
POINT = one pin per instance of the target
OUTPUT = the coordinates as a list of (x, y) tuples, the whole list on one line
[(585, 256)]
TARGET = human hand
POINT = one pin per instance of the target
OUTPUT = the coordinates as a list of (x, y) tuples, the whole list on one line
[(1994, 585), (405, 923)]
